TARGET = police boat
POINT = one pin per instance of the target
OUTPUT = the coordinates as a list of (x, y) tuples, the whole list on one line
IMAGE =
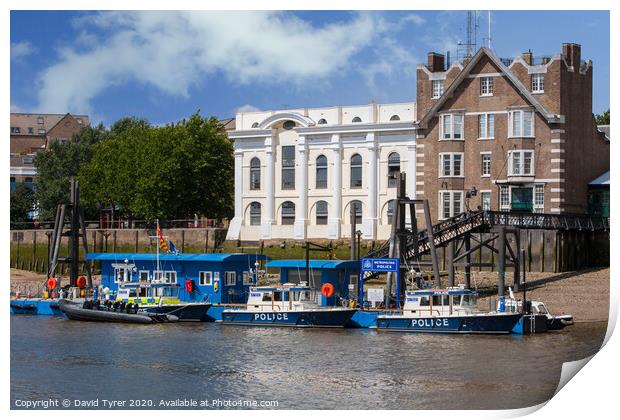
[(534, 308), (288, 305), (452, 310)]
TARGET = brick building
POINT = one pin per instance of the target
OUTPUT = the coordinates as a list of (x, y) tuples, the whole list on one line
[(31, 133), (518, 133)]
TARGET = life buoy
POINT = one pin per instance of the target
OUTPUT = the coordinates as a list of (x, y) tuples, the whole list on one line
[(327, 289), (81, 282), (52, 283)]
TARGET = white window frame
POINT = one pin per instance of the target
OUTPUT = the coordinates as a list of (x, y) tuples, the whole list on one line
[(205, 278), (539, 205), (521, 169), (159, 274), (538, 83), (486, 133), (437, 89), (227, 276), (504, 204), (521, 133), (486, 86), (451, 134), (247, 278), (451, 173), (169, 275), (482, 194), (141, 272), (484, 174), (451, 195)]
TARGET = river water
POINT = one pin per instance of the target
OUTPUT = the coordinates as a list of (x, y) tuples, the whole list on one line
[(53, 358)]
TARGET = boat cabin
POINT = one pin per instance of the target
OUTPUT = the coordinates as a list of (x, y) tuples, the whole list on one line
[(445, 302), (288, 297), (343, 275), (214, 278)]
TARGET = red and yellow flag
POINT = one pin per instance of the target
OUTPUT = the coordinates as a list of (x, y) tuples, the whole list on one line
[(162, 242)]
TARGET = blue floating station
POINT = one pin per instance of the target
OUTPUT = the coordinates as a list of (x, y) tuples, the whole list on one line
[(220, 279), (316, 273)]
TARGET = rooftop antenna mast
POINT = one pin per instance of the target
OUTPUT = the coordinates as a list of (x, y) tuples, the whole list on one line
[(472, 32), (488, 38)]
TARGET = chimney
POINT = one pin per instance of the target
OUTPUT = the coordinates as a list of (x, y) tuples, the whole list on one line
[(572, 54), (528, 57), (435, 62)]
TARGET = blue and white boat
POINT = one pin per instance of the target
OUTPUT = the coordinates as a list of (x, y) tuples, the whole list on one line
[(288, 305), (452, 310)]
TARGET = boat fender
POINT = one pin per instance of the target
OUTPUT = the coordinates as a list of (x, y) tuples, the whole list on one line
[(81, 282), (189, 286), (327, 289), (52, 283)]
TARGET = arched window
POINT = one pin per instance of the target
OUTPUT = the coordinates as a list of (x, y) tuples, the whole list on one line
[(255, 125), (356, 171), (288, 125), (322, 121), (356, 207), (254, 214), (356, 120), (390, 211), (255, 174), (393, 169), (288, 213), (321, 212), (321, 172), (394, 118)]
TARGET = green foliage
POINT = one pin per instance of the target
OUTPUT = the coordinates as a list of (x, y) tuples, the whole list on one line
[(22, 203), (603, 119), (58, 164), (170, 172)]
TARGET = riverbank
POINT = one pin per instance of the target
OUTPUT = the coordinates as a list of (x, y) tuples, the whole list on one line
[(31, 282)]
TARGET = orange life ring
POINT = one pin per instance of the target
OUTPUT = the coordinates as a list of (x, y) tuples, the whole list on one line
[(327, 289), (51, 283), (81, 282)]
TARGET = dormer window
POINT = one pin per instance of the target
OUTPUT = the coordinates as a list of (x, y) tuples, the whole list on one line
[(451, 127), (356, 120), (538, 83), (394, 118), (486, 86), (288, 125), (255, 125), (437, 89), (322, 121)]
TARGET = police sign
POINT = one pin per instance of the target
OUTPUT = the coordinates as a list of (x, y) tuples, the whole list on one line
[(384, 265)]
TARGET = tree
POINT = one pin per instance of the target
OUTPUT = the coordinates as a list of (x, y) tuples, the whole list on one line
[(170, 172), (22, 204), (603, 119), (58, 164)]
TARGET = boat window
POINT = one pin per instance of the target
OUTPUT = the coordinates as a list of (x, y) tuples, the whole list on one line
[(143, 292), (143, 276), (304, 296), (456, 300), (277, 296), (158, 275), (469, 301), (446, 300), (132, 292), (266, 297), (437, 300), (424, 301), (118, 275), (285, 296)]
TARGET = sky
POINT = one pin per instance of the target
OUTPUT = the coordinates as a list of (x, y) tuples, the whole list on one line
[(165, 66)]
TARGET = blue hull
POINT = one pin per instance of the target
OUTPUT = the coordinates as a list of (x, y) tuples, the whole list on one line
[(475, 324), (319, 319), (35, 306), (185, 312)]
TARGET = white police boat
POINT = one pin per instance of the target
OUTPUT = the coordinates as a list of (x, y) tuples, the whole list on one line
[(534, 308), (452, 310), (288, 305)]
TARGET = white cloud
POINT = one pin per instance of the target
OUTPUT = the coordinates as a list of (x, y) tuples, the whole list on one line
[(21, 49), (15, 108), (173, 51), (247, 108)]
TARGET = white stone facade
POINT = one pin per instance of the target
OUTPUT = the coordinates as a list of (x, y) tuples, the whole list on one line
[(323, 143)]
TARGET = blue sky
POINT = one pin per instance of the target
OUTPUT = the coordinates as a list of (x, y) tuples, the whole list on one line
[(165, 66)]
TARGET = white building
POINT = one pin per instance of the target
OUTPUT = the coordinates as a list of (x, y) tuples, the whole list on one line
[(299, 171)]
